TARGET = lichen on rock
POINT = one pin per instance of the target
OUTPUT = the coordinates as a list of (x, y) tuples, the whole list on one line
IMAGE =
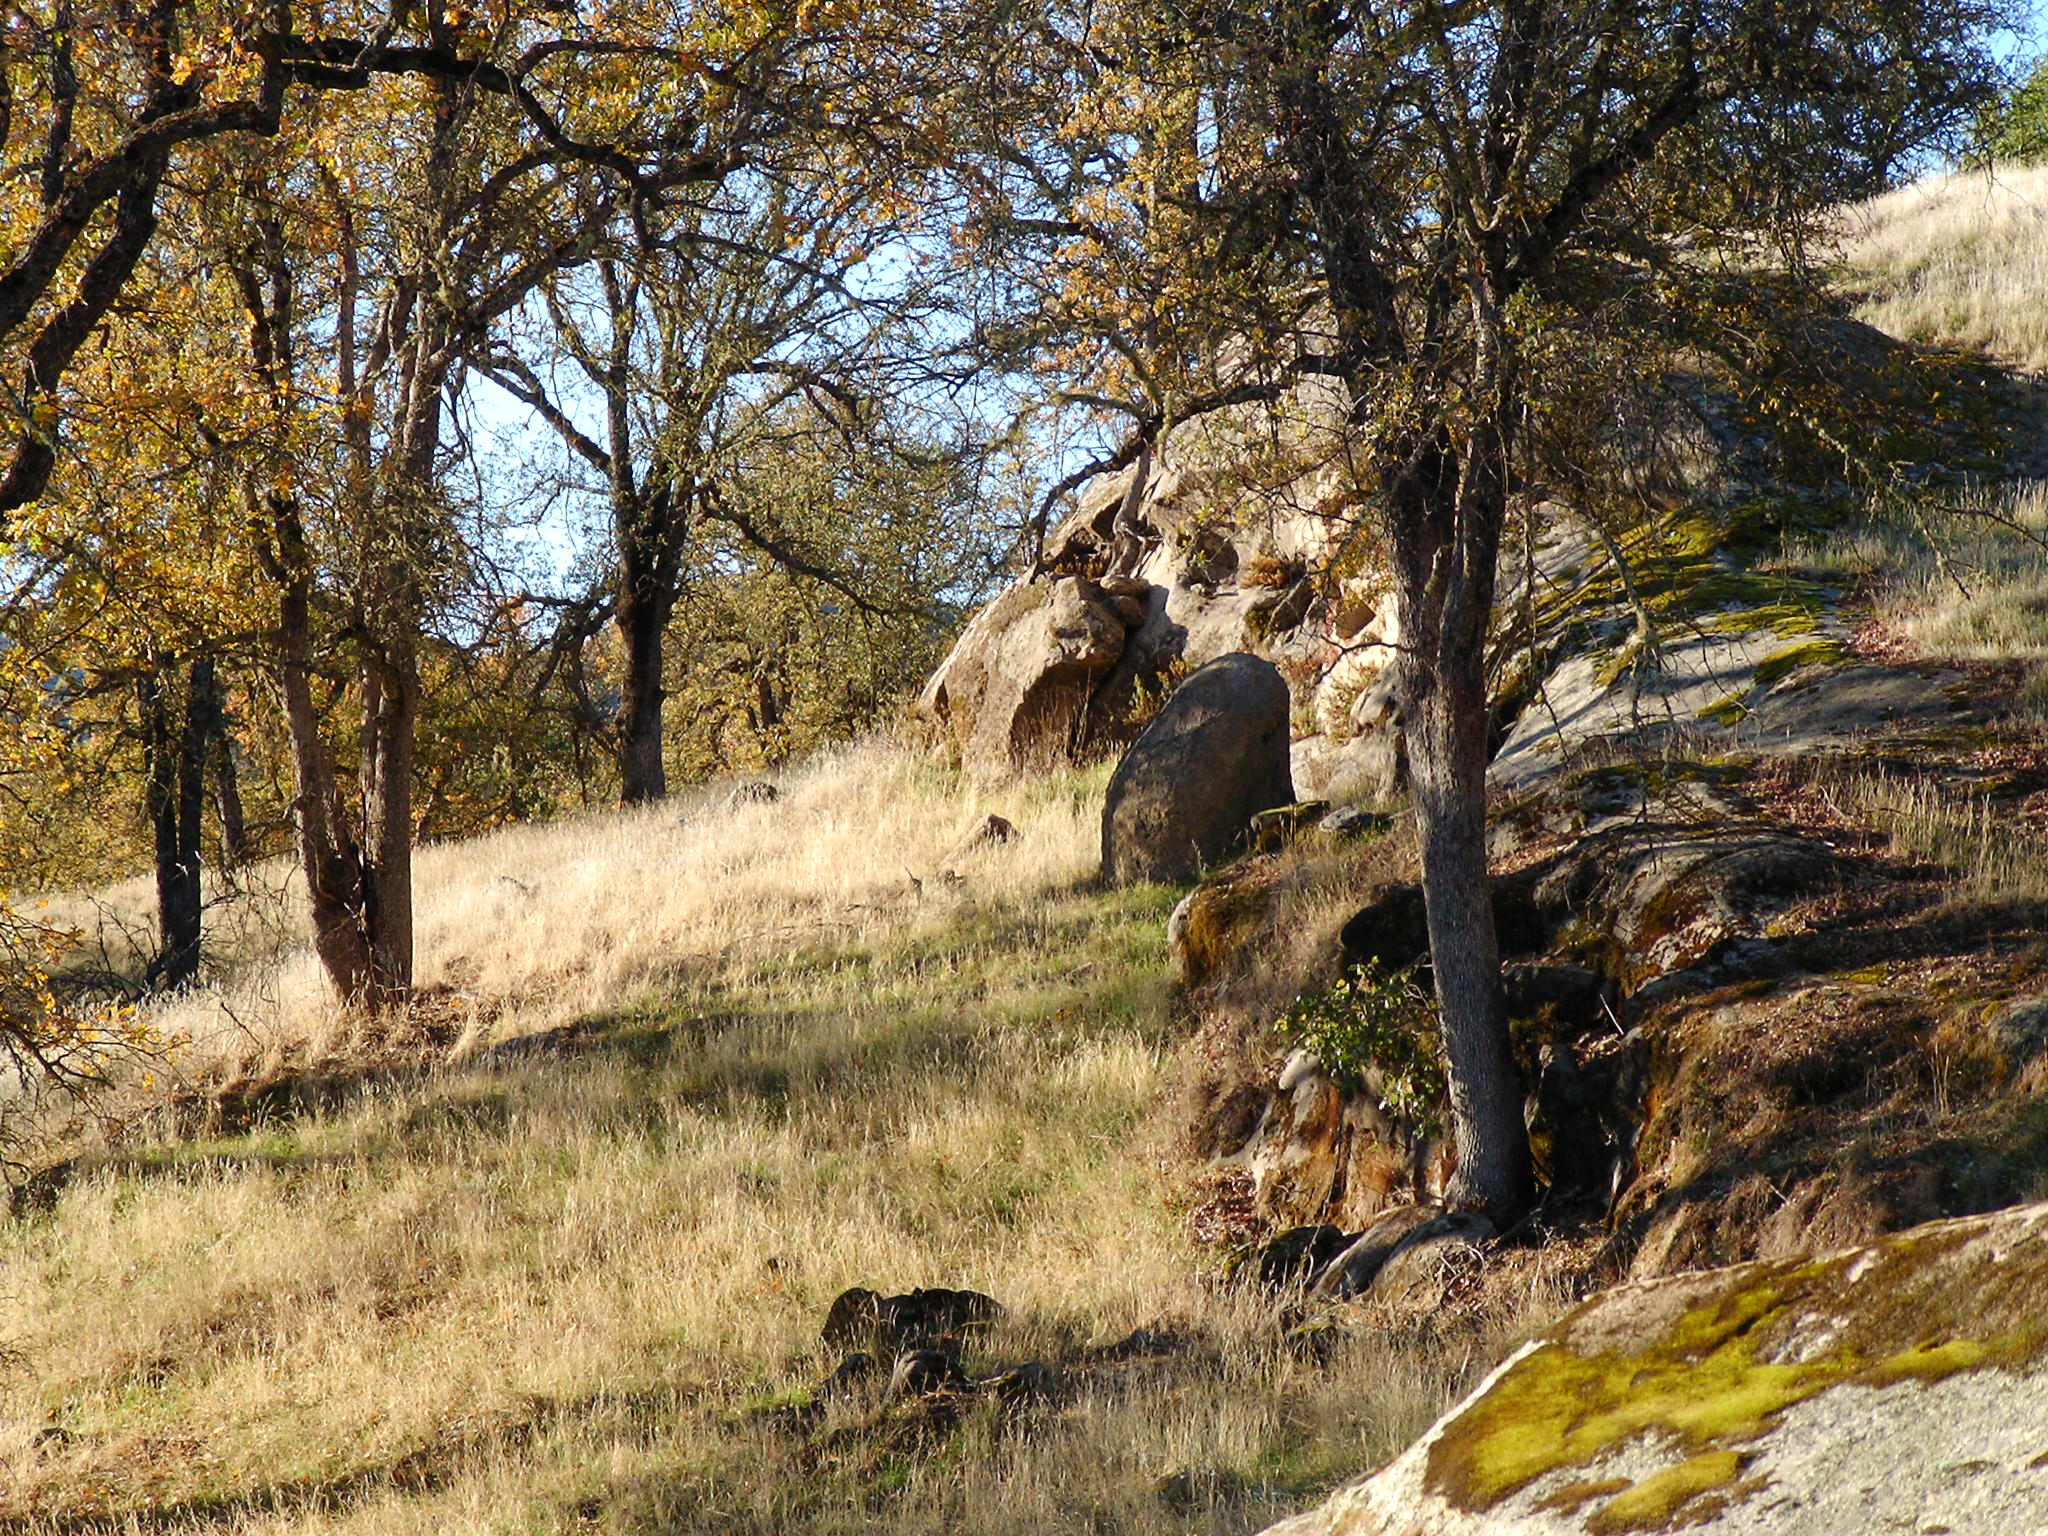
[(1897, 1385)]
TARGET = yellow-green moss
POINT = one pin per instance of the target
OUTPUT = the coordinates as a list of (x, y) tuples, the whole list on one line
[(1706, 1386), (1652, 1504), (1726, 710), (1819, 650)]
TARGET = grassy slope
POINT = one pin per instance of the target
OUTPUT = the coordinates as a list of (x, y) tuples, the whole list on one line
[(555, 1295), (1957, 260), (559, 1295)]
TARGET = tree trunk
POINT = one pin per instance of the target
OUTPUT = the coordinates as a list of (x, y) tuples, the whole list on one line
[(391, 697), (328, 852), (227, 799), (1449, 522), (645, 525), (176, 758), (643, 620)]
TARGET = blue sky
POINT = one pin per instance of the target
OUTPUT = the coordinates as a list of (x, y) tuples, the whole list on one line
[(2023, 43)]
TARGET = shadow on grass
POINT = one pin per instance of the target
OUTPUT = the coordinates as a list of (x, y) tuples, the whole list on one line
[(423, 1470)]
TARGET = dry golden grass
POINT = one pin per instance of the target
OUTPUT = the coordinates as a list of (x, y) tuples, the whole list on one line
[(1994, 857), (535, 926), (1964, 578), (560, 1294), (1957, 260)]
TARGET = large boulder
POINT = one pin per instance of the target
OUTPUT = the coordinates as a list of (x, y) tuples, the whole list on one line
[(1213, 757), (1016, 690), (1898, 1386)]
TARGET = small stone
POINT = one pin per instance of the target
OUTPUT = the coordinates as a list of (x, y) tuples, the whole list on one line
[(1275, 829), (990, 832), (1355, 821), (753, 792), (921, 1371), (2019, 1029)]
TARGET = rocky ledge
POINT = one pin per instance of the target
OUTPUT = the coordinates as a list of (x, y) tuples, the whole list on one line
[(1897, 1386)]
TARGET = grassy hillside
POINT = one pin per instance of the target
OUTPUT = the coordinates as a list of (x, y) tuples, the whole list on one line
[(554, 1254), (1958, 260), (581, 1288)]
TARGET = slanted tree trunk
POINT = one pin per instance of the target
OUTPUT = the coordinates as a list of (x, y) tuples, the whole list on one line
[(328, 852)]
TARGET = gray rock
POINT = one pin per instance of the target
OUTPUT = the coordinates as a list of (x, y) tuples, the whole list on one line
[(1352, 1272), (1355, 821), (1425, 1266), (2019, 1029), (1015, 691), (1897, 1386), (1213, 757), (1273, 830)]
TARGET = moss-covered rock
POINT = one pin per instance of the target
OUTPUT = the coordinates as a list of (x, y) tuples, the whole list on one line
[(1901, 1385)]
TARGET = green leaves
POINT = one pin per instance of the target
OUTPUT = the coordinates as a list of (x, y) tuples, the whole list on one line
[(1374, 1030)]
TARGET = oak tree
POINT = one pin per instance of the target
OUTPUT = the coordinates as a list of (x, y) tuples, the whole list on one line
[(1404, 199)]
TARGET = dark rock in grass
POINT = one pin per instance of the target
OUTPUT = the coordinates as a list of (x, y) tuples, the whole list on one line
[(918, 1372), (1290, 1259), (990, 832), (861, 1318)]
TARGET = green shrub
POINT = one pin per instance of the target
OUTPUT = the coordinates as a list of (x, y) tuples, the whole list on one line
[(2017, 128), (1377, 1031)]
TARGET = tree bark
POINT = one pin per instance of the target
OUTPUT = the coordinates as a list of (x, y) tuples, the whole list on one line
[(391, 697), (648, 562), (1450, 516), (227, 795), (328, 853), (176, 751)]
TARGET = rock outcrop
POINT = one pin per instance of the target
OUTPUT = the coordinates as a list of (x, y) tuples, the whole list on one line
[(1649, 899), (1901, 1385), (1158, 571), (1245, 534), (1214, 756), (1017, 690)]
